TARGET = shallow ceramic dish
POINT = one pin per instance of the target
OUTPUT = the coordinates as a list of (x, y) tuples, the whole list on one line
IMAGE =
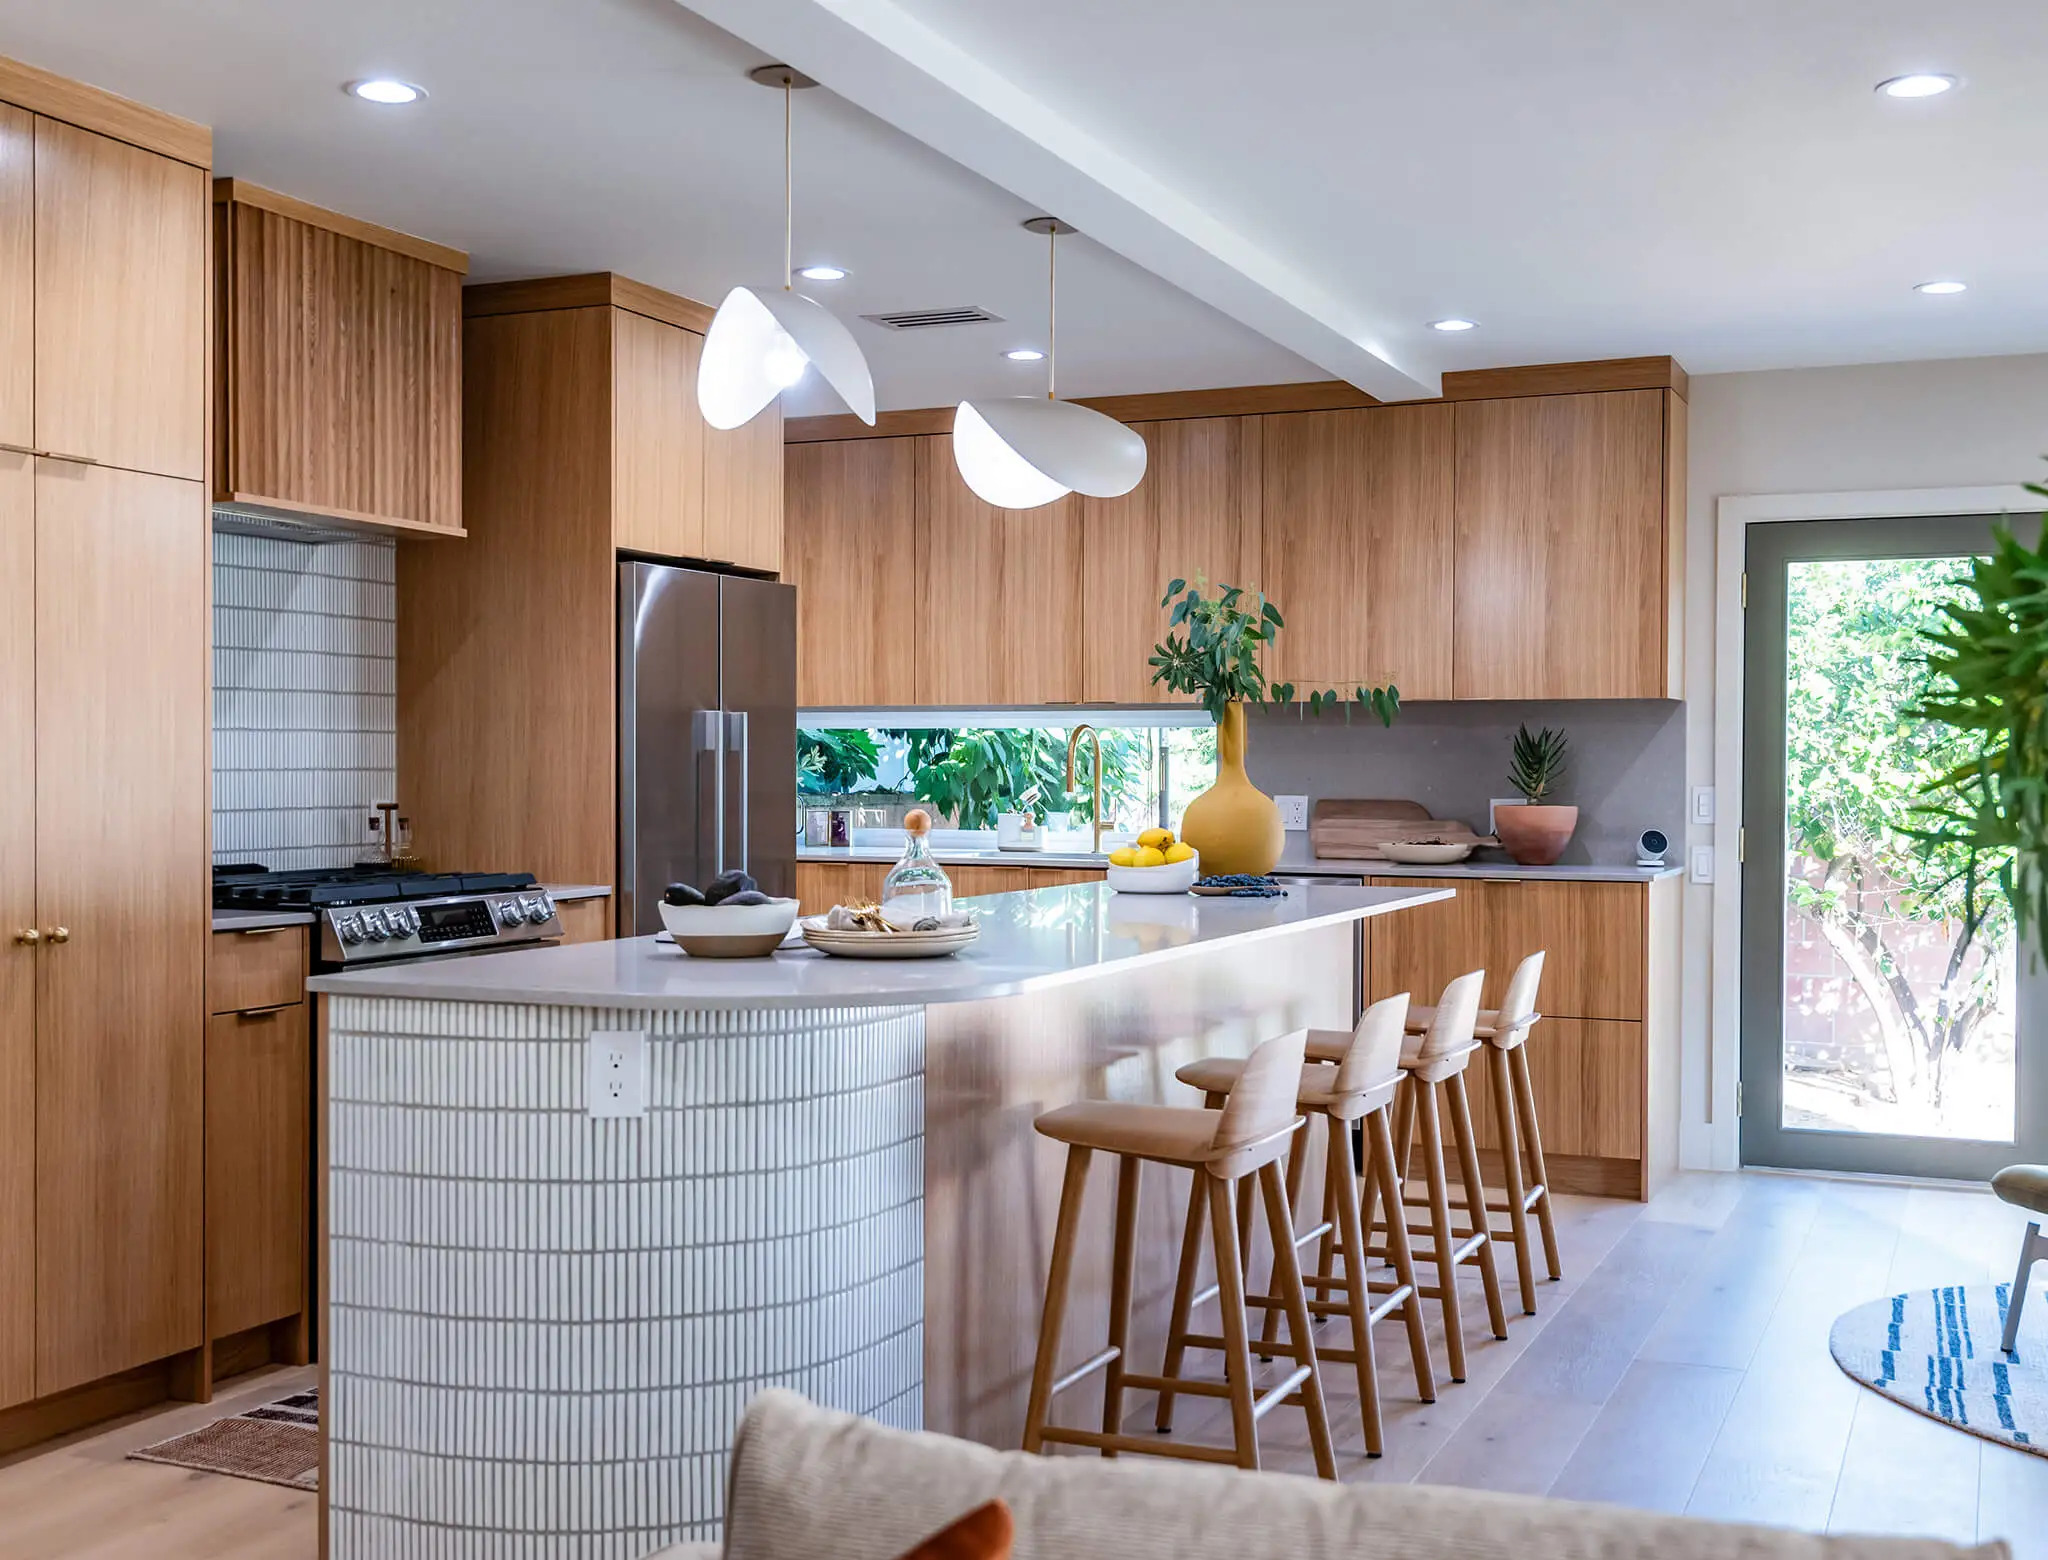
[(1176, 877), (1414, 853), (887, 945), (729, 931)]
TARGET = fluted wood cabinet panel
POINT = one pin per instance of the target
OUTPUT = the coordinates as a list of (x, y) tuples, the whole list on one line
[(1563, 576), (120, 811), (1196, 513), (852, 556), (340, 382), (17, 914), (120, 320), (657, 438), (17, 277), (1357, 544), (743, 491), (1001, 591), (258, 1123)]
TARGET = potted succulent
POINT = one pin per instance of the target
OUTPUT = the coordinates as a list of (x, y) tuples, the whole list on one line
[(1535, 831), (1234, 826)]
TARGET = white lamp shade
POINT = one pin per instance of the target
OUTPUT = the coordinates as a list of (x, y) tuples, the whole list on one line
[(759, 343), (1021, 452)]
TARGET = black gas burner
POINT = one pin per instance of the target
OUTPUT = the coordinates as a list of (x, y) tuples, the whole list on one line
[(320, 888)]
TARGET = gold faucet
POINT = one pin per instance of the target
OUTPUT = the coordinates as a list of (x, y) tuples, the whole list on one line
[(1073, 742)]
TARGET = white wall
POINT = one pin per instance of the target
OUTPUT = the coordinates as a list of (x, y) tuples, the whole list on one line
[(1971, 422)]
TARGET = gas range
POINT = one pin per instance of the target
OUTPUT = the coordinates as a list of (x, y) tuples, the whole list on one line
[(369, 913)]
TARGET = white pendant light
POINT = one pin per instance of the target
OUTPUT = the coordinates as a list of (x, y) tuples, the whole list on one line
[(763, 338), (1018, 452)]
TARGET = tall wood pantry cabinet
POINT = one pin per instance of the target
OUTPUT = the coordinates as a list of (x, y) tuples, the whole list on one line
[(103, 733)]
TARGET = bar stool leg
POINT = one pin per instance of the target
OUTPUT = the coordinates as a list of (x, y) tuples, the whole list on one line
[(1297, 1167), (1380, 1173), (1343, 1179), (1287, 1269), (1532, 1145), (1475, 1203), (1511, 1172), (1053, 1322), (1183, 1295), (1123, 1272), (1423, 1110), (1237, 1354)]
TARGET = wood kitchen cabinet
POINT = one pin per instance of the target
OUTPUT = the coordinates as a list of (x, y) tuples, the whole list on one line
[(1603, 1058), (1358, 547), (1197, 513), (852, 546), (1570, 543), (657, 438), (998, 592), (338, 389), (17, 917), (822, 884), (17, 278), (743, 499)]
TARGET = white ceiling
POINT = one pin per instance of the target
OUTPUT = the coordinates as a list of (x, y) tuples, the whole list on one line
[(1712, 178)]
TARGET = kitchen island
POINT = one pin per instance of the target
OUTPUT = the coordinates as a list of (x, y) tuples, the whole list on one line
[(543, 1325)]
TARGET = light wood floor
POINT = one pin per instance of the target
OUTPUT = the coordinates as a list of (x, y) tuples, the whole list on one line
[(1682, 1365)]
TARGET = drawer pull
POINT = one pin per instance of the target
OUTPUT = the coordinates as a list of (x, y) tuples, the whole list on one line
[(263, 931), (259, 1012), (74, 460)]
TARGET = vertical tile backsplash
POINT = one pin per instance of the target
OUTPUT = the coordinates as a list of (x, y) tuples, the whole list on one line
[(304, 699)]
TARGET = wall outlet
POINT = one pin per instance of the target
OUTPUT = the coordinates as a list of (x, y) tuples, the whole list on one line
[(1500, 801), (617, 1072), (1703, 863), (1293, 811), (1702, 804)]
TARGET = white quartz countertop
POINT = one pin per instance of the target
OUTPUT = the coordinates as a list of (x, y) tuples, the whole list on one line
[(1029, 941)]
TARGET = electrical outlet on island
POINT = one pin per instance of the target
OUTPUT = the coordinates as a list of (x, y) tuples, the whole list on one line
[(617, 1072), (1293, 811)]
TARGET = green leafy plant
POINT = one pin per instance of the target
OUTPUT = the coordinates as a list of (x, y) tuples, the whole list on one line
[(971, 774), (1537, 761), (1215, 657), (832, 763)]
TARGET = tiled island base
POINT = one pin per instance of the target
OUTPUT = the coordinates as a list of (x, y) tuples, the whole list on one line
[(543, 1325)]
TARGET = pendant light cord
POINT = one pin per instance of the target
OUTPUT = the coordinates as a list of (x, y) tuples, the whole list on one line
[(1052, 311), (788, 188)]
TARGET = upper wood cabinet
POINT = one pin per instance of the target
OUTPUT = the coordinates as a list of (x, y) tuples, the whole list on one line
[(1196, 513), (996, 594), (17, 280), (17, 914), (743, 505), (658, 473), (1357, 539), (339, 385), (851, 554), (120, 325), (1570, 537)]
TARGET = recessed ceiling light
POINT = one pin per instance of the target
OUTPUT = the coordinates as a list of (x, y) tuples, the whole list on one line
[(822, 273), (1941, 289), (1452, 324), (1024, 355), (1921, 84), (386, 89)]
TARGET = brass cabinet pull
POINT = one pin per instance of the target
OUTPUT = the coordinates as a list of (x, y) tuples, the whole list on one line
[(28, 936), (75, 460), (18, 449), (59, 934)]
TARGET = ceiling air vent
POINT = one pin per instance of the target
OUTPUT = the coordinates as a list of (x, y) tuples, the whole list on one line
[(928, 319)]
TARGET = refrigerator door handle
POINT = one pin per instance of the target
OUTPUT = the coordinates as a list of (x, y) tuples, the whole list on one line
[(736, 738), (707, 735)]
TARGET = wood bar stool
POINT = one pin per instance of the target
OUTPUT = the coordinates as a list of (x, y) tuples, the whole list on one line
[(1527, 1180), (1433, 1085), (1226, 1150), (1357, 1091)]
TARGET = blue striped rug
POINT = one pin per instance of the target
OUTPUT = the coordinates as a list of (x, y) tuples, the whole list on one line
[(1936, 1351)]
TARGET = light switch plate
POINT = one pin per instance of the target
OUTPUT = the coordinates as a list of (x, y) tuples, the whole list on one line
[(1703, 863), (1293, 811), (617, 1072), (1702, 804)]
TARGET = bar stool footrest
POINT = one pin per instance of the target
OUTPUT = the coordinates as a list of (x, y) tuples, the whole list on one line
[(1147, 1445)]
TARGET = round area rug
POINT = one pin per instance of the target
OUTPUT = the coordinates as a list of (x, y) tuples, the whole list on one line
[(1936, 1351)]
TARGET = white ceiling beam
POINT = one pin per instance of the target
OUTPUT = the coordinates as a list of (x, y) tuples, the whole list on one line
[(877, 56)]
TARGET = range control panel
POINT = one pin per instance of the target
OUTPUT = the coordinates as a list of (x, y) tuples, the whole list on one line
[(360, 934)]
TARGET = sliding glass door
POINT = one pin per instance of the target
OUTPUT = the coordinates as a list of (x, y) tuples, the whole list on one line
[(1886, 1023)]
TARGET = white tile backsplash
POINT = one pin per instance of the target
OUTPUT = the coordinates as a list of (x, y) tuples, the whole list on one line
[(304, 696)]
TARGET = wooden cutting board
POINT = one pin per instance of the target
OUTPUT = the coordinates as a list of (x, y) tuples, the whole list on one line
[(1356, 829)]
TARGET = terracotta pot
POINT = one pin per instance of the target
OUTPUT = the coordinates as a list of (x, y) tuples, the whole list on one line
[(1233, 825), (1535, 835)]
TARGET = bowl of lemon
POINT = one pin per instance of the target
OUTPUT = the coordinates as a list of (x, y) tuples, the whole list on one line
[(1156, 864)]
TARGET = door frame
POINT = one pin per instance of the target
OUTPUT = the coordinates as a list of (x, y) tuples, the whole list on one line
[(1709, 1082)]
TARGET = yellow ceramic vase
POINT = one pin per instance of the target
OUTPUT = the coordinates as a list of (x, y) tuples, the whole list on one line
[(1234, 825)]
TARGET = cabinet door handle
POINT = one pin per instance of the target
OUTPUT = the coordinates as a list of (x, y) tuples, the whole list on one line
[(75, 460), (18, 449), (264, 931), (59, 934), (262, 1012), (28, 937)]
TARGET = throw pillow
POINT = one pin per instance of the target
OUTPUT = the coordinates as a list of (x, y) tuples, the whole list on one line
[(983, 1534)]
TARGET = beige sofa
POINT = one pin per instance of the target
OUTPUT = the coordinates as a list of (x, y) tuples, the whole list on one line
[(812, 1484)]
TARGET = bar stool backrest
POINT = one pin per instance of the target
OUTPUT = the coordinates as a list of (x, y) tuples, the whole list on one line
[(1518, 1006), (1375, 1054), (1457, 1011), (1261, 1106)]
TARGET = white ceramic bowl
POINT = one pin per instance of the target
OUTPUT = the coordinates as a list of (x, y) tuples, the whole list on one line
[(1176, 877), (1413, 854), (729, 931)]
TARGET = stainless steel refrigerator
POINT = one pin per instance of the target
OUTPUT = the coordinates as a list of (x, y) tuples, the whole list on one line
[(707, 734)]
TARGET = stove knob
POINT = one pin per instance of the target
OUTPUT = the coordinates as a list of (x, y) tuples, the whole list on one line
[(375, 925), (508, 913), (405, 921), (538, 908), (348, 929)]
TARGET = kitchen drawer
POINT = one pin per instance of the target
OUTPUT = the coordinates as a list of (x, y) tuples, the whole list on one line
[(1589, 1079), (585, 920), (822, 884), (258, 969), (1592, 934), (1060, 877), (258, 1133)]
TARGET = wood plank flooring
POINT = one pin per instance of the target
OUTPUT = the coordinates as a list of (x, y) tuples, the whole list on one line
[(1682, 1365)]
